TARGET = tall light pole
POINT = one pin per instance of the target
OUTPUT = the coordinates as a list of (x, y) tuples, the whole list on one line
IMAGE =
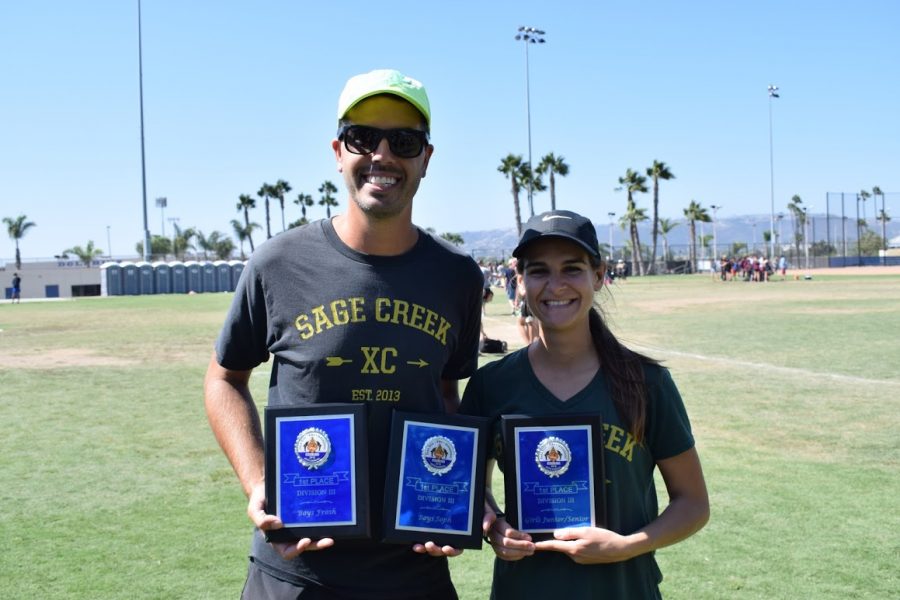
[(162, 203), (612, 216), (143, 163), (780, 231), (715, 208), (773, 93), (529, 35), (702, 241), (806, 236), (174, 222), (108, 243), (858, 235), (883, 216), (812, 238)]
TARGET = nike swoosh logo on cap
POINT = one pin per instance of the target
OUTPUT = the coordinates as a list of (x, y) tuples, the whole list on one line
[(548, 217)]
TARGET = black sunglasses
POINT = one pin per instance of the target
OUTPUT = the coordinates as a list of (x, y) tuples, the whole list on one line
[(362, 139)]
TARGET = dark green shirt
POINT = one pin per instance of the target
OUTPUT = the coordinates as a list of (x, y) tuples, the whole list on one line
[(509, 386)]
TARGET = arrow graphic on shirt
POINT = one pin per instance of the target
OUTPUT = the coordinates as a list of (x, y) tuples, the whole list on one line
[(336, 361), (419, 363)]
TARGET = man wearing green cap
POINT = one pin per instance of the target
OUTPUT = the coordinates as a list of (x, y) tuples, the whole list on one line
[(365, 307)]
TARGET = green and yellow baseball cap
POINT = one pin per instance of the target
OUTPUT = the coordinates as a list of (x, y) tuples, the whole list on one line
[(384, 81)]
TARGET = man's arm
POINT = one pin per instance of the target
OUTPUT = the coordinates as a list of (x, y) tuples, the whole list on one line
[(235, 422)]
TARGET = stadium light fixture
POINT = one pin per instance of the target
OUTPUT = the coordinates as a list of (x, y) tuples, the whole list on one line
[(529, 35)]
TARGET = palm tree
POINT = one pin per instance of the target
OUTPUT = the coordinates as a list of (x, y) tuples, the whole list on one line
[(86, 254), (798, 220), (738, 248), (453, 238), (629, 220), (303, 201), (223, 247), (267, 191), (864, 195), (882, 216), (704, 243), (281, 188), (182, 242), (17, 228), (207, 244), (532, 178), (516, 172), (245, 203), (693, 213), (555, 166), (665, 226), (633, 182), (328, 189), (159, 247), (659, 170), (244, 233)]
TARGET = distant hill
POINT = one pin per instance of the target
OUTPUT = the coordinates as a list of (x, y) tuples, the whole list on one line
[(497, 243)]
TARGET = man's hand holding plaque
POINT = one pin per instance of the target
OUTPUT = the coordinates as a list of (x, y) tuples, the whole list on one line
[(316, 487)]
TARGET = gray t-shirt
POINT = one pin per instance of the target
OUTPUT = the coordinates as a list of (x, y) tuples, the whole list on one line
[(342, 326)]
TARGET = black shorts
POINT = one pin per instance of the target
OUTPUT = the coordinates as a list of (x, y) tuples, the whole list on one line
[(524, 312), (260, 585)]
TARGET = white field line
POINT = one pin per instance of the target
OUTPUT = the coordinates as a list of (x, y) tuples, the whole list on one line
[(651, 350), (766, 366)]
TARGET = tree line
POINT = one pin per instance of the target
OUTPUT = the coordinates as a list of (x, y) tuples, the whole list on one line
[(633, 182), (218, 245)]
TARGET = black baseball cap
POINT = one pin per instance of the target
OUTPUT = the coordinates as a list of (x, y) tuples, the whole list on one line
[(560, 223)]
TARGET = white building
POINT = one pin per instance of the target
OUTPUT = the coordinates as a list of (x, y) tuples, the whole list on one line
[(63, 278)]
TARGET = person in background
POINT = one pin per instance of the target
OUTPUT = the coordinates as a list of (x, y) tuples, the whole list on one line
[(525, 323), (509, 283), (16, 295)]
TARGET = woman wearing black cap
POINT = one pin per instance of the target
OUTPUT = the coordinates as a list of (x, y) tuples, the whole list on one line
[(577, 366)]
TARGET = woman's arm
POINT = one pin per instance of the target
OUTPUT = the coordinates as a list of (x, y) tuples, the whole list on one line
[(508, 543), (686, 513)]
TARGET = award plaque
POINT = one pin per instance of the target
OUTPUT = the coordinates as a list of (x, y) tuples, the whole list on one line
[(553, 473), (435, 480), (317, 471)]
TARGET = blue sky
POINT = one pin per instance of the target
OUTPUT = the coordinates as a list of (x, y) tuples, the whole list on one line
[(239, 93)]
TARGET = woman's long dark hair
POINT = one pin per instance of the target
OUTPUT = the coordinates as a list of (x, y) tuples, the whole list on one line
[(623, 367)]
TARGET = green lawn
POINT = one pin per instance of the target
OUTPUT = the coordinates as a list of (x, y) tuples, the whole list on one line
[(112, 486)]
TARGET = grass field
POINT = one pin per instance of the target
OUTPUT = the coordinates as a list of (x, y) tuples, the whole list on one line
[(112, 486)]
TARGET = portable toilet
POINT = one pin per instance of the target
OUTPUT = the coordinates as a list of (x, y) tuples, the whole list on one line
[(111, 279), (223, 276), (178, 276), (162, 277), (145, 278), (237, 267), (209, 277), (194, 276), (130, 284)]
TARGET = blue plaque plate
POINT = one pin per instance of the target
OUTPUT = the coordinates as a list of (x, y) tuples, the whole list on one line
[(553, 473), (435, 489), (316, 471)]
